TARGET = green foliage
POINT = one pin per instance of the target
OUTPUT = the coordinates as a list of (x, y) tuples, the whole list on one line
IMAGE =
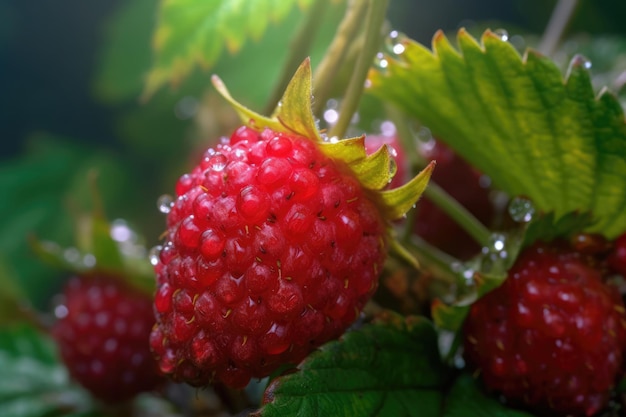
[(42, 188), (518, 121), (389, 368), (466, 399), (194, 32), (34, 383)]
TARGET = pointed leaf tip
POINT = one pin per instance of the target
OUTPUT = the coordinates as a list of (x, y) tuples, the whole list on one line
[(399, 201)]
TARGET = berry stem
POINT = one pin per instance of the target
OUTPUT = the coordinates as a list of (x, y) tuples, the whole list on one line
[(374, 21), (434, 260), (438, 195), (336, 53), (298, 50), (561, 16), (458, 213)]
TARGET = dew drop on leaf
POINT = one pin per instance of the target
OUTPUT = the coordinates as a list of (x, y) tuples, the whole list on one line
[(521, 209), (502, 34), (165, 203)]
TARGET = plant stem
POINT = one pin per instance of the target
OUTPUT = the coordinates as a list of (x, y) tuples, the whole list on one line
[(336, 53), (374, 21), (561, 15), (434, 260), (459, 214), (298, 50)]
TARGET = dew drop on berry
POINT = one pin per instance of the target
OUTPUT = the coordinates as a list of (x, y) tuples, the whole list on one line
[(521, 209), (154, 254), (165, 203), (217, 162)]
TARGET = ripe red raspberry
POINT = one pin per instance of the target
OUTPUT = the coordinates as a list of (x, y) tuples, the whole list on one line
[(463, 183), (272, 249), (102, 334), (617, 257), (552, 336)]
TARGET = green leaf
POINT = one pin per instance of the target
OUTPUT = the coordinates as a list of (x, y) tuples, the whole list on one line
[(12, 298), (41, 185), (389, 368), (516, 119), (194, 32), (547, 227), (478, 276), (466, 399), (33, 382)]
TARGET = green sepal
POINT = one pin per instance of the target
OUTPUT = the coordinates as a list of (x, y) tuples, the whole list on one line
[(400, 200), (348, 150), (294, 115)]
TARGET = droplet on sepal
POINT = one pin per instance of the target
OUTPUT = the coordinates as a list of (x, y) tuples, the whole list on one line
[(521, 209), (165, 203), (380, 62)]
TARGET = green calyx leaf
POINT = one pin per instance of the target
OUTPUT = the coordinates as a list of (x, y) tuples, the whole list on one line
[(518, 120), (192, 33), (389, 368), (294, 115)]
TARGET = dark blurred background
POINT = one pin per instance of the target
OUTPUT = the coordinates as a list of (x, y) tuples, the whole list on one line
[(49, 50)]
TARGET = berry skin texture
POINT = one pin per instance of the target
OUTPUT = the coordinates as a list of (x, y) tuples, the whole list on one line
[(552, 336), (272, 249), (617, 257), (463, 183), (103, 335)]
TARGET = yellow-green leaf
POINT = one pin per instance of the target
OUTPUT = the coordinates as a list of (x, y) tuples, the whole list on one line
[(533, 131)]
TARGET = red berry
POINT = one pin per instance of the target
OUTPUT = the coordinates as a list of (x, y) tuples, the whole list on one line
[(102, 334), (552, 336), (463, 183), (272, 249), (617, 256)]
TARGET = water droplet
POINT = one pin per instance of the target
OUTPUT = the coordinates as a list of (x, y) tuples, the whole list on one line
[(393, 168), (331, 116), (72, 255), (89, 260), (579, 61), (518, 42), (380, 61), (60, 311), (502, 33), (484, 181), (154, 253), (521, 209), (497, 242), (218, 162), (332, 104), (165, 203), (120, 231), (387, 128), (186, 108)]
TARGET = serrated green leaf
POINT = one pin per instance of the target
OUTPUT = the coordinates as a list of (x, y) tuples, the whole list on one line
[(390, 368), (547, 227), (519, 121), (195, 32), (466, 399), (34, 383)]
